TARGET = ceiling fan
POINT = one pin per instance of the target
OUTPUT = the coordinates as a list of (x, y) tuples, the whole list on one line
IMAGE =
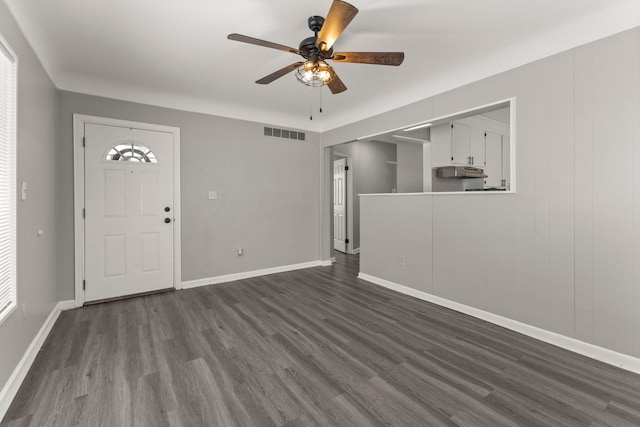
[(316, 50)]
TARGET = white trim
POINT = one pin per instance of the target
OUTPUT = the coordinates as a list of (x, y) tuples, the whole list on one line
[(349, 199), (329, 262), (66, 305), (249, 274), (79, 121), (512, 145), (350, 204), (355, 251), (592, 351), (11, 387)]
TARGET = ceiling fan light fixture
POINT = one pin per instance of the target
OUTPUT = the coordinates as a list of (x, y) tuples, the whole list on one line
[(315, 73)]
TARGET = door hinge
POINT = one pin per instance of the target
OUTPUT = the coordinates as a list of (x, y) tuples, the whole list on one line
[(346, 168), (84, 141), (84, 285), (346, 240)]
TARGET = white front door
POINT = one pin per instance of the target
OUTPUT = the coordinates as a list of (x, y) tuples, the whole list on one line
[(339, 205), (129, 223)]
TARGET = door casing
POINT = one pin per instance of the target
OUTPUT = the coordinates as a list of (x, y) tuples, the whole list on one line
[(349, 199), (79, 122), (344, 204)]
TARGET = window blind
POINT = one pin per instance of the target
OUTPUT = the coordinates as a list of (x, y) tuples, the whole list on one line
[(8, 106)]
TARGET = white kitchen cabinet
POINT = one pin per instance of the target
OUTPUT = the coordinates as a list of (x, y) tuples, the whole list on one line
[(440, 145), (460, 140), (477, 147), (506, 162), (467, 145), (493, 159)]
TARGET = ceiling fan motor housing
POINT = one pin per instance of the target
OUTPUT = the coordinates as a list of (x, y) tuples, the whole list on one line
[(308, 48), (310, 52)]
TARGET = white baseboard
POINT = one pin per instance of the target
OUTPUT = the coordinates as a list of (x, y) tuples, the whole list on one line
[(329, 262), (249, 274), (14, 382), (355, 251), (592, 351), (66, 305)]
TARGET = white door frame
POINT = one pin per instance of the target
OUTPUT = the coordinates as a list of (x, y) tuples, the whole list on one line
[(337, 202), (349, 249), (79, 122)]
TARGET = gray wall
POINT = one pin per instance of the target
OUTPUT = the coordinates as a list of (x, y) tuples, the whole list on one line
[(268, 201), (370, 174), (562, 254), (36, 157), (410, 166), (371, 167)]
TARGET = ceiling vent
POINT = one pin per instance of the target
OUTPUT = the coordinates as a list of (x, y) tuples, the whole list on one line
[(284, 133)]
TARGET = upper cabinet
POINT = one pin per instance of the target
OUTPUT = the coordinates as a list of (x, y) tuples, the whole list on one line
[(480, 140), (467, 145), (494, 163)]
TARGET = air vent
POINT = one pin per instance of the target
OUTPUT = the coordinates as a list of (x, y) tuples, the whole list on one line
[(284, 133)]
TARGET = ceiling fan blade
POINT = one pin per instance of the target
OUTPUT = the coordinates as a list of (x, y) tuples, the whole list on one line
[(339, 16), (378, 58), (336, 86), (281, 72), (252, 40)]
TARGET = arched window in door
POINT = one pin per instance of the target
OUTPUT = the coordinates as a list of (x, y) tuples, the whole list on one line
[(131, 152)]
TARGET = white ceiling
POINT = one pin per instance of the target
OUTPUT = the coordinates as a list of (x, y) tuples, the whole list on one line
[(175, 53)]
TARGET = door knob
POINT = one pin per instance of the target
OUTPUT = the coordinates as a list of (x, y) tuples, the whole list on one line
[(167, 220), (167, 209)]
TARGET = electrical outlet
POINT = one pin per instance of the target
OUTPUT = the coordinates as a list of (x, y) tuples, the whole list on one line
[(401, 261), (240, 251)]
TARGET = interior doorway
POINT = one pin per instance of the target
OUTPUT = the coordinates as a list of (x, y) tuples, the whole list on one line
[(342, 202), (340, 238)]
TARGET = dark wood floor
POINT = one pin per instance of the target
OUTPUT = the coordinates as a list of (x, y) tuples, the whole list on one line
[(304, 348)]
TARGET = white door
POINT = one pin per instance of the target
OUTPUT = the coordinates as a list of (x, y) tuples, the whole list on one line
[(339, 205), (129, 220)]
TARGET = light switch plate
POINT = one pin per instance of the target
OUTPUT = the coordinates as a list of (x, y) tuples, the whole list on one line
[(213, 195)]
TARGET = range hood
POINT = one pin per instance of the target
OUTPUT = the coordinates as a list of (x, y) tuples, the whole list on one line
[(459, 172)]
